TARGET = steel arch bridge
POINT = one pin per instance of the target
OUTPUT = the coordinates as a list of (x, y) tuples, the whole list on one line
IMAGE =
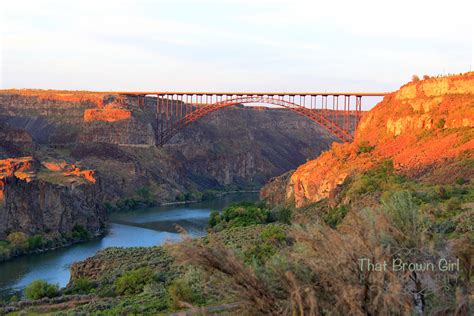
[(176, 110)]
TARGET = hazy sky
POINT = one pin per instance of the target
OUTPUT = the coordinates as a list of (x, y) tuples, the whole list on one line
[(231, 44)]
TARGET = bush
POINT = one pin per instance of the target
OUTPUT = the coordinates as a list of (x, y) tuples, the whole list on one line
[(133, 282), (18, 240), (239, 215), (441, 123), (39, 289), (364, 147), (145, 194), (187, 289), (282, 215), (35, 242), (273, 233), (415, 78), (79, 232), (208, 195), (82, 286), (405, 216), (214, 218), (259, 253), (335, 215)]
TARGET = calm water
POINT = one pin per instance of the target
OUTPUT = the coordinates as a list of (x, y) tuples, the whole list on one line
[(144, 227)]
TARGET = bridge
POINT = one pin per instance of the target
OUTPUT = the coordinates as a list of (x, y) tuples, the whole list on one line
[(337, 112)]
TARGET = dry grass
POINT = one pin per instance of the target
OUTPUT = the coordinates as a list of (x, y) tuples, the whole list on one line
[(245, 285)]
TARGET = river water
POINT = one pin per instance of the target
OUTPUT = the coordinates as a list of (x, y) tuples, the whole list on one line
[(143, 227)]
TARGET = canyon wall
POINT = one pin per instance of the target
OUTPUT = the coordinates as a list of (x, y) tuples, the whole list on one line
[(48, 198), (233, 148), (426, 128)]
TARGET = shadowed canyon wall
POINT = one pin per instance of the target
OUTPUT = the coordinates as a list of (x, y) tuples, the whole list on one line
[(233, 148)]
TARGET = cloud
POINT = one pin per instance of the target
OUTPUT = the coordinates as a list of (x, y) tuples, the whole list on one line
[(230, 45)]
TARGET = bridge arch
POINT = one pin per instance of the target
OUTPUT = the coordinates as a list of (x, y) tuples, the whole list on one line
[(312, 114), (176, 110)]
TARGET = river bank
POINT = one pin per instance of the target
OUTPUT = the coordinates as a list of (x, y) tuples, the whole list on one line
[(139, 228)]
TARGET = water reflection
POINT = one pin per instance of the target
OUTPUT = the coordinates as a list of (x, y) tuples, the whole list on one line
[(139, 228)]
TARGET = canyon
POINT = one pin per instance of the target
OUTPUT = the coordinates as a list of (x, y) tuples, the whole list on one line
[(89, 148)]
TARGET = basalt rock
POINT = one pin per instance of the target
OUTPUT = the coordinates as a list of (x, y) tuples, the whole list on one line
[(233, 148), (424, 128), (48, 198)]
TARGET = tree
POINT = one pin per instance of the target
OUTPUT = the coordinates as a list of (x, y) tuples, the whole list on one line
[(39, 289)]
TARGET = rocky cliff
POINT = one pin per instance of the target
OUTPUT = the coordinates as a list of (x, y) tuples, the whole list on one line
[(48, 198), (233, 148), (425, 128)]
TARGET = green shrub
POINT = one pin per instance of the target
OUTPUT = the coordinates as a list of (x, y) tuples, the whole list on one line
[(259, 253), (240, 215), (214, 218), (133, 282), (208, 195), (441, 122), (35, 242), (461, 181), (364, 147), (273, 234), (335, 215), (404, 215), (18, 240), (82, 286), (39, 289), (182, 290), (144, 193), (282, 215), (79, 232)]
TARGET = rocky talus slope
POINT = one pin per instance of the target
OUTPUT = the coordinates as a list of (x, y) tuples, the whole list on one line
[(426, 128)]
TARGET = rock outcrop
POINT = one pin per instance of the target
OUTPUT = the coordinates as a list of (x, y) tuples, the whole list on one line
[(48, 198), (425, 126)]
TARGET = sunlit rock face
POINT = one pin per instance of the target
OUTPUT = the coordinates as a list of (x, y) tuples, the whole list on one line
[(423, 127), (107, 114), (49, 197), (233, 148)]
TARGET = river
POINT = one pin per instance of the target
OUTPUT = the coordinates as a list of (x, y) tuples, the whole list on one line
[(143, 227)]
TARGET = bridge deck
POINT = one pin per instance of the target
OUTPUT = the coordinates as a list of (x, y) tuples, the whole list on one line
[(347, 93)]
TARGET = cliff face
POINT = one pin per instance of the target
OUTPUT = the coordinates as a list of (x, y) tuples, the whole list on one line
[(48, 198), (236, 147), (425, 127)]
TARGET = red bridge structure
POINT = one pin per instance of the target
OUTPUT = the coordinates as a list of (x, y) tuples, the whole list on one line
[(338, 112)]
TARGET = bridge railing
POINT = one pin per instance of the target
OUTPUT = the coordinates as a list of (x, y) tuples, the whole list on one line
[(338, 112)]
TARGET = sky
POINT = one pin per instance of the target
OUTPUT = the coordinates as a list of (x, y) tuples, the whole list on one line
[(231, 45)]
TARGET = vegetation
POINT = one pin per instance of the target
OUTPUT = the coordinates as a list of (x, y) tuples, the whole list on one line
[(239, 215), (300, 261), (80, 233), (133, 282), (143, 197), (364, 147), (298, 268), (18, 243), (82, 286), (40, 289)]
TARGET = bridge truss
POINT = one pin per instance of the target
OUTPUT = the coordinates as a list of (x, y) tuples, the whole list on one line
[(337, 112)]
